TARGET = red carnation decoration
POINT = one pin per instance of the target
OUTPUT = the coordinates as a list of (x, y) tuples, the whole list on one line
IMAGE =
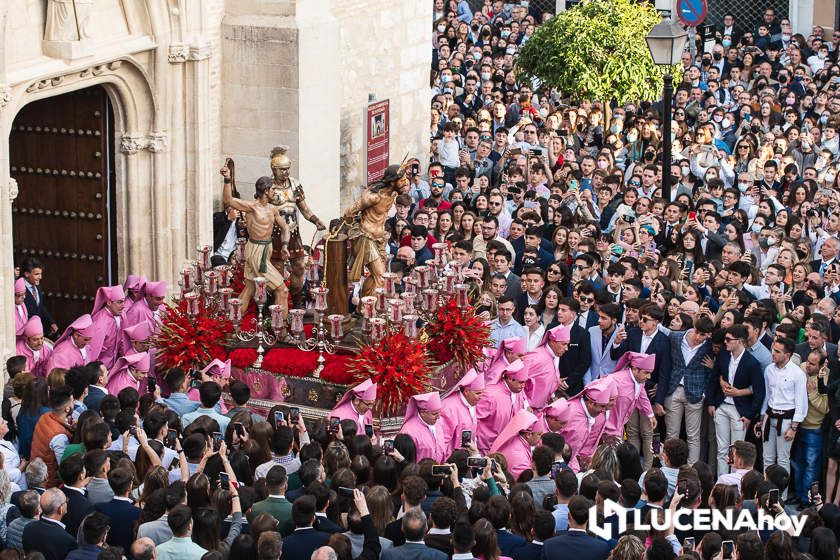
[(191, 343), (243, 357), (400, 366), (457, 334)]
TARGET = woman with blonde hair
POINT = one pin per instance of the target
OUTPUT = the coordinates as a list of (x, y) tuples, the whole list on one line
[(628, 547), (381, 507)]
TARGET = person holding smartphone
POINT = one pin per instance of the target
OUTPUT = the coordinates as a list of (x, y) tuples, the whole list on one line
[(458, 414), (357, 405)]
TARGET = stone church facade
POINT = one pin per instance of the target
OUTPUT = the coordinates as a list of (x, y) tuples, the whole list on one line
[(184, 83)]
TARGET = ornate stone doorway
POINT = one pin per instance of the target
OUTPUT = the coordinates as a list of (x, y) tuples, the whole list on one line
[(61, 154)]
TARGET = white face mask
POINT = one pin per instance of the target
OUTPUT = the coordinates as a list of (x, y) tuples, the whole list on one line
[(771, 241), (726, 123), (441, 28), (829, 178)]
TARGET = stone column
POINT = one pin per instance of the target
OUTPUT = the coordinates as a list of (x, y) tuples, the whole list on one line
[(8, 192)]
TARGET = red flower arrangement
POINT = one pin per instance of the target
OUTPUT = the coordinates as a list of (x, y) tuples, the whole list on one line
[(457, 334), (400, 366), (191, 343), (243, 357)]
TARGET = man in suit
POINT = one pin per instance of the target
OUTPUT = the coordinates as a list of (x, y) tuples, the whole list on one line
[(305, 539), (321, 494), (95, 531), (542, 530), (817, 333), (734, 393), (97, 379), (224, 235), (276, 504), (414, 491), (576, 543), (97, 465), (828, 252), (498, 512), (575, 362), (33, 271), (601, 340), (502, 263), (680, 391), (645, 339), (48, 535), (585, 295), (711, 242), (72, 471), (120, 510), (463, 540), (414, 528), (441, 518)]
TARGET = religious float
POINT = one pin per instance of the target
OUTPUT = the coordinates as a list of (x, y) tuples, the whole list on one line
[(420, 340)]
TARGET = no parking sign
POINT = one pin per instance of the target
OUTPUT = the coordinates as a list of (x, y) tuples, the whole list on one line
[(692, 12)]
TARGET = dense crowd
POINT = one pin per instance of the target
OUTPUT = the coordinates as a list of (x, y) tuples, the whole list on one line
[(659, 354)]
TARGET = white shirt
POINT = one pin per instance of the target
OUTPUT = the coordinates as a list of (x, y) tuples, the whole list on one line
[(228, 243), (21, 309), (786, 389), (688, 351), (646, 340), (469, 406), (733, 366)]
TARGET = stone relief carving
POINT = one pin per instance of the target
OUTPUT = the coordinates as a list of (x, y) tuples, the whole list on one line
[(155, 142), (5, 96), (68, 20), (180, 52), (54, 81), (13, 189)]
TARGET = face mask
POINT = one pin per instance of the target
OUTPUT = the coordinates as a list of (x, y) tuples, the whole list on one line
[(505, 34), (829, 178), (820, 163), (717, 118), (602, 164), (510, 49), (485, 76), (786, 37), (477, 57), (771, 241), (743, 187), (823, 119), (447, 90), (684, 171), (524, 3), (445, 79), (675, 179), (726, 123), (441, 28), (726, 43), (632, 137), (756, 228), (615, 128), (717, 55)]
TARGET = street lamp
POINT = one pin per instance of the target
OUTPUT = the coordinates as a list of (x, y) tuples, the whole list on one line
[(666, 42)]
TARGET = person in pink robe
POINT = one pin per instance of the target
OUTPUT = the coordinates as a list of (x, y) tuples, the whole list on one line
[(587, 418), (421, 423), (554, 417), (129, 371), (72, 348), (517, 440), (21, 314), (509, 350), (541, 363), (219, 372), (108, 318), (500, 402), (33, 347), (133, 290), (145, 309), (357, 405), (631, 394), (458, 413), (136, 338)]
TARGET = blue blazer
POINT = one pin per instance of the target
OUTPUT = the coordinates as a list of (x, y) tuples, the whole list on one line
[(747, 374), (301, 544), (94, 398), (508, 542), (660, 346), (49, 539), (122, 515), (411, 551), (693, 374), (530, 551), (577, 545)]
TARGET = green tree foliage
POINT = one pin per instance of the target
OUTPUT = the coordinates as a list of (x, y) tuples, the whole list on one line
[(596, 50)]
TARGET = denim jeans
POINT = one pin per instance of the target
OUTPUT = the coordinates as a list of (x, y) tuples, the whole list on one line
[(806, 465)]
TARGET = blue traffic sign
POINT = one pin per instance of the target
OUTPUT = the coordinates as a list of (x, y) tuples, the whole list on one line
[(692, 12)]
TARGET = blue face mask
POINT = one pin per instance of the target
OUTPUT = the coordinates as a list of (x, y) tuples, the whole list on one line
[(756, 228), (445, 78), (505, 34), (726, 43)]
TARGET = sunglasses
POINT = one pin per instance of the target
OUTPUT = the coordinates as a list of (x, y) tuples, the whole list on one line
[(554, 270), (587, 300)]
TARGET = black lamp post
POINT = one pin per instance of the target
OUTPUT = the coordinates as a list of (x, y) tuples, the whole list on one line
[(666, 42)]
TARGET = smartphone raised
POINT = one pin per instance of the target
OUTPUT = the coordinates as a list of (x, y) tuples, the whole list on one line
[(441, 470), (388, 445), (730, 455), (171, 436), (682, 487), (692, 215), (368, 430), (814, 490), (150, 383), (466, 438), (294, 415), (727, 549), (656, 443), (345, 491), (773, 499), (688, 544), (335, 423), (224, 481), (239, 428), (218, 438), (477, 462)]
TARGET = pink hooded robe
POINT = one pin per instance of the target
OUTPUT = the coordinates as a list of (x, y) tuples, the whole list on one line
[(65, 353), (216, 368), (140, 332), (106, 327), (140, 310), (498, 406), (581, 434), (344, 410), (558, 410), (457, 415), (132, 282), (630, 394), (498, 361), (121, 377), (429, 443), (543, 377), (513, 446), (36, 365), (21, 314)]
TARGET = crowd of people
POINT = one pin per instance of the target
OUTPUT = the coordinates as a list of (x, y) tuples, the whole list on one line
[(659, 353)]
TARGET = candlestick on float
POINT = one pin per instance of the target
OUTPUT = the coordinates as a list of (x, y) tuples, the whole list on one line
[(259, 333), (321, 339)]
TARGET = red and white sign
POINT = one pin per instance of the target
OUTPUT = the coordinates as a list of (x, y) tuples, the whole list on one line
[(378, 126)]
